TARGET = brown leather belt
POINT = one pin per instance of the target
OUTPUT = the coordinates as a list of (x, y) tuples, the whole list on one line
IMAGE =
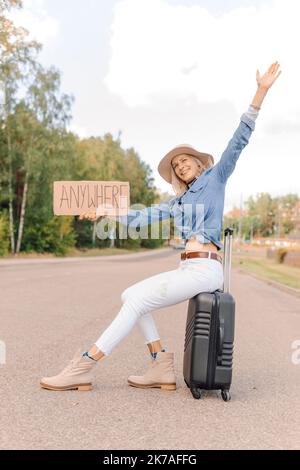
[(201, 254)]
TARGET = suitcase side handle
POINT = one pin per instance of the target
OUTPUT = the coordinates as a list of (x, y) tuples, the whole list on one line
[(221, 340)]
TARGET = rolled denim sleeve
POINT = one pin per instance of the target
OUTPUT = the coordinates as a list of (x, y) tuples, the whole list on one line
[(147, 216), (240, 139)]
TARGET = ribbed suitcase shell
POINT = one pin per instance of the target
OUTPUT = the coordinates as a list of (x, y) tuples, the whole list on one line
[(209, 338)]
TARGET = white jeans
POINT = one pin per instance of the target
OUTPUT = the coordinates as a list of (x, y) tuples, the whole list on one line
[(169, 288)]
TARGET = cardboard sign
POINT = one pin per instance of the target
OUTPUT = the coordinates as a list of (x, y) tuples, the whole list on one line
[(77, 197)]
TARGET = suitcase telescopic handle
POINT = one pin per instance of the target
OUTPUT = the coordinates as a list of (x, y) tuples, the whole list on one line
[(228, 231), (228, 236)]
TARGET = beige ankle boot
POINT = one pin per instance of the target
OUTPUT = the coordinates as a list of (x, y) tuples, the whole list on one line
[(161, 374), (76, 376)]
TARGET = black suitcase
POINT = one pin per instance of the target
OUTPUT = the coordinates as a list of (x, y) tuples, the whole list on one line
[(209, 335)]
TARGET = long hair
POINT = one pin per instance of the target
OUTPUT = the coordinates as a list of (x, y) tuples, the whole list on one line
[(178, 185)]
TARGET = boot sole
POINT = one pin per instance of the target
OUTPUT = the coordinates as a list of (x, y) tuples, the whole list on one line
[(79, 387), (156, 385)]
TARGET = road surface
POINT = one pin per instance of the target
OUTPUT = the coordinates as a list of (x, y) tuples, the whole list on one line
[(51, 308)]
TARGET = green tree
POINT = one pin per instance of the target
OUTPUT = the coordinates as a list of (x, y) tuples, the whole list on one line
[(17, 59), (263, 208), (4, 233), (42, 111), (284, 206)]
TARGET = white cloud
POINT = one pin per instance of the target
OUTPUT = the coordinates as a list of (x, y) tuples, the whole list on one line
[(180, 50), (34, 17), (172, 60), (278, 126)]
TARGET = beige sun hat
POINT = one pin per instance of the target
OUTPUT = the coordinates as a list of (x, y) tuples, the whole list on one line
[(164, 167)]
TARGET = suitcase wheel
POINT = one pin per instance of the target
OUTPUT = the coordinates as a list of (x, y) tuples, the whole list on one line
[(196, 392), (226, 395)]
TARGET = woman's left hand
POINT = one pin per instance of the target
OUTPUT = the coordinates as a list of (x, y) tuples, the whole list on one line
[(267, 79)]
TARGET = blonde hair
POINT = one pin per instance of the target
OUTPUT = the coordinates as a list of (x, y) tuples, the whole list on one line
[(178, 185)]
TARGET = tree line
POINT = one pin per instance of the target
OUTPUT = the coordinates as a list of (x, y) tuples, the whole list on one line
[(266, 216), (37, 149)]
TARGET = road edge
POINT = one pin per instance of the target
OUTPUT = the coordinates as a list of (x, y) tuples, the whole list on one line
[(278, 285), (23, 262)]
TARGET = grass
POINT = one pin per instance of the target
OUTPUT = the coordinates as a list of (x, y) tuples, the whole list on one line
[(269, 269), (81, 253), (105, 252)]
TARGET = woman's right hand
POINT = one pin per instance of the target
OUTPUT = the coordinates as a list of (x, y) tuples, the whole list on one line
[(90, 215)]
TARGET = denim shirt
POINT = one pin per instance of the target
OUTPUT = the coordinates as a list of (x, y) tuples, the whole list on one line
[(198, 213)]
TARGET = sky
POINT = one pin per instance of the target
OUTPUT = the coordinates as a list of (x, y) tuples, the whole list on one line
[(168, 72)]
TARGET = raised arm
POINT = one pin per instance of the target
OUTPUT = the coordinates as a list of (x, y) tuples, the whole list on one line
[(241, 136)]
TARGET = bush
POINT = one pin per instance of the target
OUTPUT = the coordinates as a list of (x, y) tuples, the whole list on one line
[(4, 233), (152, 243), (280, 255), (56, 236), (131, 244), (61, 236)]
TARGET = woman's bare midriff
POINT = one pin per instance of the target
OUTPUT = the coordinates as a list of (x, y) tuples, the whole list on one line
[(193, 245)]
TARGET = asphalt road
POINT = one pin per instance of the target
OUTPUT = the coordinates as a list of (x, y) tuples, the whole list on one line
[(50, 309)]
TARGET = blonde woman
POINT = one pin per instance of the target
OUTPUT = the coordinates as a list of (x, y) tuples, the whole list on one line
[(198, 184)]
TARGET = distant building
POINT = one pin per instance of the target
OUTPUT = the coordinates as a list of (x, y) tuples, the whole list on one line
[(265, 241)]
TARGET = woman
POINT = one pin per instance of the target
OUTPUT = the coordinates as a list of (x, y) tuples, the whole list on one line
[(198, 184)]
